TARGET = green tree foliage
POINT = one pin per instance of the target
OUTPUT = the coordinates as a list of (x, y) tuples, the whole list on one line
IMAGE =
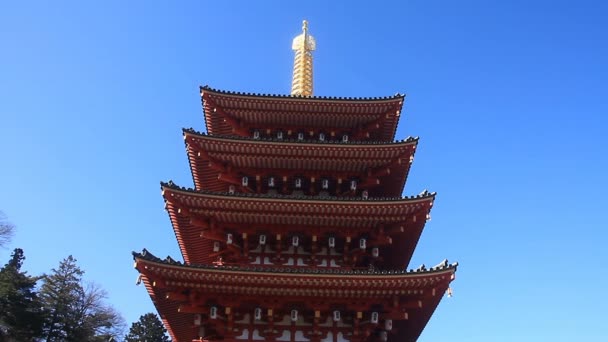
[(148, 329), (76, 312), (20, 314)]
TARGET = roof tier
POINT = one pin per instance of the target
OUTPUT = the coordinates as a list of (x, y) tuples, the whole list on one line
[(189, 211), (225, 111), (409, 297), (385, 165)]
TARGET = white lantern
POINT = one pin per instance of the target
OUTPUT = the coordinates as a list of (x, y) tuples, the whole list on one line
[(256, 134), (365, 194), (345, 138), (300, 136), (374, 318), (245, 181), (257, 314), (388, 325), (294, 315), (295, 241), (271, 182), (325, 184), (229, 238), (353, 185), (231, 189), (322, 136), (298, 183), (362, 243), (332, 242), (280, 135), (375, 252), (336, 315), (213, 312), (216, 246), (262, 239), (197, 319)]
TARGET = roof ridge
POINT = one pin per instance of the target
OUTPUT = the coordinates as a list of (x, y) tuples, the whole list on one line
[(443, 266), (330, 142), (289, 96), (424, 194)]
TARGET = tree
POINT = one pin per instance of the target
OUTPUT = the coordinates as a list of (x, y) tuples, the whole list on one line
[(6, 230), (76, 312), (20, 315), (148, 329)]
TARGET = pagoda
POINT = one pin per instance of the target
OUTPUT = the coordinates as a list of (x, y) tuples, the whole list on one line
[(296, 229)]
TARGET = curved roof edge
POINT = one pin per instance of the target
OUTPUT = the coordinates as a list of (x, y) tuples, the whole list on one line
[(423, 195), (441, 267), (288, 96), (327, 142)]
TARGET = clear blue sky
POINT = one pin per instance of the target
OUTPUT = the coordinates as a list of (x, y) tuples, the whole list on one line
[(509, 99)]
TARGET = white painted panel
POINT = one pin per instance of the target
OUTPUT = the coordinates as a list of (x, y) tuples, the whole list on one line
[(244, 335), (299, 336), (285, 321), (286, 336), (328, 322), (256, 336), (329, 338), (341, 338), (245, 319)]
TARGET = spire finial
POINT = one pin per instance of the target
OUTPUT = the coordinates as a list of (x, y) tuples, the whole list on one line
[(303, 45)]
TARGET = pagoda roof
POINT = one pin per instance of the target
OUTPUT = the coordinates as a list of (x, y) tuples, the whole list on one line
[(162, 276), (324, 157), (208, 89), (184, 204), (278, 278), (321, 111)]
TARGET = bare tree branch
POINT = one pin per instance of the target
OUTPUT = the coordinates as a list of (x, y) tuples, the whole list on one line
[(6, 230)]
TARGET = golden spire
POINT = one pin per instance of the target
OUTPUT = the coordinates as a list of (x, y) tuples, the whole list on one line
[(303, 45)]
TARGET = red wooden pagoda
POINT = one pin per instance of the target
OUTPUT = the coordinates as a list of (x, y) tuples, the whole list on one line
[(296, 229)]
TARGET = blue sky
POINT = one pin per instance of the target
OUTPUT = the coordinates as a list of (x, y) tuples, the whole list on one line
[(508, 97)]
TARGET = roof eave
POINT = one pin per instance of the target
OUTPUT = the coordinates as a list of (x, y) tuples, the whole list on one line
[(207, 89)]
